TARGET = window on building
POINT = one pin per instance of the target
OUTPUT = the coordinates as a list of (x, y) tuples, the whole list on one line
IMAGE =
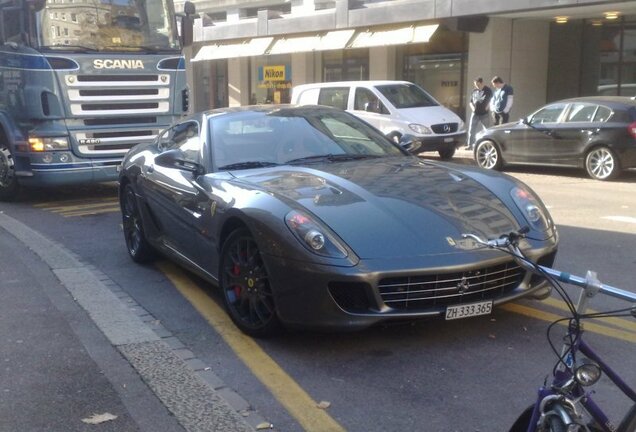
[(345, 65)]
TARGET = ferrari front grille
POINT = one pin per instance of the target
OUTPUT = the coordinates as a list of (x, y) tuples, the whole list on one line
[(419, 292)]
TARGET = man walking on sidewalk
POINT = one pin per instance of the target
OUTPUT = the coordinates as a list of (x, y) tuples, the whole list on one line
[(479, 104), (501, 101)]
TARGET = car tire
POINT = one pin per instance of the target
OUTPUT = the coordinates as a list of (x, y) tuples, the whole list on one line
[(446, 154), (136, 243), (488, 155), (8, 181), (601, 163), (246, 288)]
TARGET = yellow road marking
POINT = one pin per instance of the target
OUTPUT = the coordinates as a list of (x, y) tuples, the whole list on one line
[(589, 326), (283, 387), (90, 212), (72, 202), (74, 208), (618, 322)]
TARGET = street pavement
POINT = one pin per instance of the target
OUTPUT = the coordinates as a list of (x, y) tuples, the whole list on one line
[(78, 354)]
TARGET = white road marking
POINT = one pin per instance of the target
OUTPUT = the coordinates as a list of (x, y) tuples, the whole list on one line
[(627, 219)]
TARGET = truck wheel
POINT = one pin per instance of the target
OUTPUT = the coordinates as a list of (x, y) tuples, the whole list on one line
[(8, 180)]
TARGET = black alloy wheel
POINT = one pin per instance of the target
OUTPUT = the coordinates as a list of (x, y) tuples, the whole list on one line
[(8, 179), (246, 287), (138, 247)]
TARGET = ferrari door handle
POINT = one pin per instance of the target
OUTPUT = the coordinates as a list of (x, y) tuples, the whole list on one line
[(150, 169)]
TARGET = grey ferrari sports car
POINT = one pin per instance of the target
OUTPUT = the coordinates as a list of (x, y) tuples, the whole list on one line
[(307, 216)]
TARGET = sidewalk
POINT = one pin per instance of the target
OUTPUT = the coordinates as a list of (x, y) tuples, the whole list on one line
[(71, 349)]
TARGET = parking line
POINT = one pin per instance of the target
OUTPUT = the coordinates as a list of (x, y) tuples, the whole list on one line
[(589, 326), (618, 322), (283, 387)]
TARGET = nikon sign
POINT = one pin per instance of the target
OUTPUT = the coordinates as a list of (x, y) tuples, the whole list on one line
[(275, 73)]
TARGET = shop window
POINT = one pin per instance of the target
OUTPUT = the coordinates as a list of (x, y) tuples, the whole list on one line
[(346, 65), (271, 81)]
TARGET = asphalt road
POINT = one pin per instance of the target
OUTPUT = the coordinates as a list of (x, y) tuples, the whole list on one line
[(467, 375)]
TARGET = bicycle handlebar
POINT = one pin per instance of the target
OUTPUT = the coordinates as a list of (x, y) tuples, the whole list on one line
[(510, 242)]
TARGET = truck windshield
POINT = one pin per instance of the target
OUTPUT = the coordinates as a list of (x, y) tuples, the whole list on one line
[(107, 25), (406, 96)]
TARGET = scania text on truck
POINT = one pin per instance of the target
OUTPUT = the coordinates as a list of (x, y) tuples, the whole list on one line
[(81, 82)]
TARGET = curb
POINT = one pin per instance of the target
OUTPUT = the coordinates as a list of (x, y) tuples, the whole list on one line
[(189, 389)]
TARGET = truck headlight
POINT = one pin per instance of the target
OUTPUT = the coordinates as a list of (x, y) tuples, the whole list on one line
[(420, 129), (41, 144)]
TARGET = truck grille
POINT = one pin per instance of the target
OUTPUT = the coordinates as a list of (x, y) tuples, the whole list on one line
[(428, 291), (121, 110)]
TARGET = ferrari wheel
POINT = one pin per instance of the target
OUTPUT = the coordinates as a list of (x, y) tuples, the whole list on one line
[(138, 247), (488, 156), (8, 180), (602, 164), (246, 287)]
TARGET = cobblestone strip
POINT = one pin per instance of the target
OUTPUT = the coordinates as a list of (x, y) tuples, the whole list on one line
[(185, 385)]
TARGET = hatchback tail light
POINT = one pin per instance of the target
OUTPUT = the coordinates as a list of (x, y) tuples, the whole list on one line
[(632, 129)]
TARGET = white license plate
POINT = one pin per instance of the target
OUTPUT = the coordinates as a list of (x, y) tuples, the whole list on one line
[(468, 310), (449, 139)]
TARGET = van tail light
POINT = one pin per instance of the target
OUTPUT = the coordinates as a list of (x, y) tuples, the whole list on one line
[(632, 129)]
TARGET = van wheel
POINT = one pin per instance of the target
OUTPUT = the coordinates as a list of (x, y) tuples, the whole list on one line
[(8, 180), (446, 154)]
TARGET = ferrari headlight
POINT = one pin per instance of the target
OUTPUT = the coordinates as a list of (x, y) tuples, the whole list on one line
[(587, 372), (420, 129), (313, 236), (532, 209), (41, 144)]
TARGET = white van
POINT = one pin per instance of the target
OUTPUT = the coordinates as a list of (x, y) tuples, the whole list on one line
[(395, 108)]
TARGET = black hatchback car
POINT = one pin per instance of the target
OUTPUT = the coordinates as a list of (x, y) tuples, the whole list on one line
[(595, 133)]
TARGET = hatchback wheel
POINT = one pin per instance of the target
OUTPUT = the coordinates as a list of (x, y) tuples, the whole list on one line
[(602, 164), (138, 247), (246, 287), (488, 156), (8, 180)]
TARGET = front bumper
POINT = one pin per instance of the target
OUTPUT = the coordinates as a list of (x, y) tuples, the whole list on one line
[(374, 291), (438, 142), (32, 170)]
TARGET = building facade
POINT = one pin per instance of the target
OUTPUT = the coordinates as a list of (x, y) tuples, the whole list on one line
[(255, 51)]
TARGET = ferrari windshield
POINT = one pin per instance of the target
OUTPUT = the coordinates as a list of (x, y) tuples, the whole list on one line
[(107, 25), (250, 139)]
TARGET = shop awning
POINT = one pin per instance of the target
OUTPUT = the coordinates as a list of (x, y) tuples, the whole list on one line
[(395, 36), (247, 48), (333, 40), (330, 41)]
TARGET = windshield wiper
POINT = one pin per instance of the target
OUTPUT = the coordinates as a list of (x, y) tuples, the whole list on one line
[(80, 48), (247, 165), (331, 158)]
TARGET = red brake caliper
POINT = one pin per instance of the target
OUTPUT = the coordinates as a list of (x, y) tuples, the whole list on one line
[(236, 270)]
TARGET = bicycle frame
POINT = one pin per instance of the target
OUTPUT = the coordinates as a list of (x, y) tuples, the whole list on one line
[(564, 376), (564, 387)]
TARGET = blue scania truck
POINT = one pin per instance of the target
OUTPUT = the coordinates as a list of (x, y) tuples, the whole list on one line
[(81, 82)]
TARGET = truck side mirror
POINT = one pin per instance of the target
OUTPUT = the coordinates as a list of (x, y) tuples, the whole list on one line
[(36, 5), (187, 24)]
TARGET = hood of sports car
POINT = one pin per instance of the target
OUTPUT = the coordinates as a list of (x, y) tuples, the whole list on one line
[(390, 207)]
